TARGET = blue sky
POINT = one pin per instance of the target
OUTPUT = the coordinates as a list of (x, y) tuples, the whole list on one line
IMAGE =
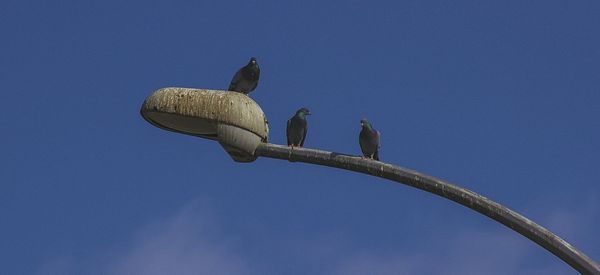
[(501, 98)]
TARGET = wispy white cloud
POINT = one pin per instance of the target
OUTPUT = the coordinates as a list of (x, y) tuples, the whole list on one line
[(496, 251), (575, 220), (187, 243), (474, 252), (191, 242)]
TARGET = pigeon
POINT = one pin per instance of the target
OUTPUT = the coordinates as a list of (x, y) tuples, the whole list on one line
[(297, 128), (369, 140), (246, 78)]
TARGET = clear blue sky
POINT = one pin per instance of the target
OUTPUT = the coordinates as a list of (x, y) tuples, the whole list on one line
[(502, 98)]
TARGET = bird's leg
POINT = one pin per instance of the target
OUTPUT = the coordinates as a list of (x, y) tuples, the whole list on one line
[(291, 151)]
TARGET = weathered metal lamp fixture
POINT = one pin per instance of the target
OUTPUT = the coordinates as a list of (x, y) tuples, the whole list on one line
[(232, 119)]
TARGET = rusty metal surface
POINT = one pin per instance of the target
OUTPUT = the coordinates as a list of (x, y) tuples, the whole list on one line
[(231, 118), (197, 111), (515, 221)]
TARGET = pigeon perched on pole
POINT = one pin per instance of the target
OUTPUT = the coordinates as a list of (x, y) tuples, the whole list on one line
[(297, 128), (369, 140), (246, 78)]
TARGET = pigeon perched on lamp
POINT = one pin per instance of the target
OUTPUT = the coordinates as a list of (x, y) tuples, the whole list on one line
[(245, 79)]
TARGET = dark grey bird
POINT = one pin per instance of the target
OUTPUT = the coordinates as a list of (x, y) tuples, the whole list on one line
[(297, 128), (369, 140), (246, 78)]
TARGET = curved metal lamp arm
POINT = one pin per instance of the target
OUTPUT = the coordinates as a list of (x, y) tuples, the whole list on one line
[(470, 199), (239, 125)]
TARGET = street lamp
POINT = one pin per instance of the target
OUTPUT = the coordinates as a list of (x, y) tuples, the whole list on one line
[(240, 126), (232, 119)]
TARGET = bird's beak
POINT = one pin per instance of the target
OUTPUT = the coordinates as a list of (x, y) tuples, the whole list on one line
[(309, 113)]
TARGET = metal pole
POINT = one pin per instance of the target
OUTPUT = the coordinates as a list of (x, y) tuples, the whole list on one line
[(468, 198)]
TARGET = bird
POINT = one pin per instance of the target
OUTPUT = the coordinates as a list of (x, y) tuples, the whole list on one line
[(297, 128), (369, 140), (245, 79)]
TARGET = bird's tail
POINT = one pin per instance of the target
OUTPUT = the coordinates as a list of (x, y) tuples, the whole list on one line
[(376, 155)]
